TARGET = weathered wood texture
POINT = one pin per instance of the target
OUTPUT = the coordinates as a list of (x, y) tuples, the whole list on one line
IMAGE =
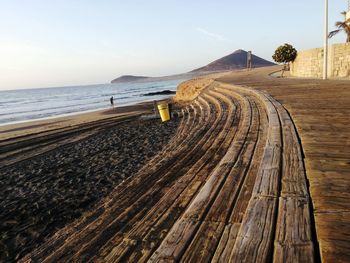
[(321, 113), (229, 187)]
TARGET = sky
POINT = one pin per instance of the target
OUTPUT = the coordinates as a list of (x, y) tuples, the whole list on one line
[(47, 43)]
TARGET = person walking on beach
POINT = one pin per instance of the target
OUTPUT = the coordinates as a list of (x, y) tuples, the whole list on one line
[(112, 101)]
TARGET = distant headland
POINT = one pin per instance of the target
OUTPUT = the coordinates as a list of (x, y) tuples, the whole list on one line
[(128, 78), (234, 61)]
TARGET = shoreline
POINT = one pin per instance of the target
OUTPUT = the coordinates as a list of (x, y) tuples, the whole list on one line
[(123, 106), (166, 97), (13, 130)]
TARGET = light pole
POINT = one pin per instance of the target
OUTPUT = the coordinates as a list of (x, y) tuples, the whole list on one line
[(325, 51)]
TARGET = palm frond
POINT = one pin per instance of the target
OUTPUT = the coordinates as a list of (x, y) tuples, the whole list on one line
[(332, 33), (340, 24)]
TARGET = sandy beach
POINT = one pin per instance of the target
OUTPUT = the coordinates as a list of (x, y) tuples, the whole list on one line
[(54, 170)]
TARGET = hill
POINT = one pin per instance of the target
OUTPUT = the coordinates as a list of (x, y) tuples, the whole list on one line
[(128, 78), (236, 60)]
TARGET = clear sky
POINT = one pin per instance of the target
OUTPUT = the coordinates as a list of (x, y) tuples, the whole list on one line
[(45, 43)]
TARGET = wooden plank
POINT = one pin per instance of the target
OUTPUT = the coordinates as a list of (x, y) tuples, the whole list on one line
[(203, 247), (220, 210), (227, 241), (247, 188), (177, 197), (195, 212), (293, 221), (333, 234), (321, 112), (294, 253), (174, 245), (294, 225), (255, 237), (254, 240)]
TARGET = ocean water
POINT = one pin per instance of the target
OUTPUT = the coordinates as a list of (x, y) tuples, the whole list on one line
[(33, 104)]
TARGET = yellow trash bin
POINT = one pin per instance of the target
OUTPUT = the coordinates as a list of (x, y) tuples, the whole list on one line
[(164, 111)]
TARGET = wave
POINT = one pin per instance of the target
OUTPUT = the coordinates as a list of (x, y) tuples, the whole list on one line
[(21, 105)]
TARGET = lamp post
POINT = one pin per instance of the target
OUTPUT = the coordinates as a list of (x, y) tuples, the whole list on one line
[(325, 51)]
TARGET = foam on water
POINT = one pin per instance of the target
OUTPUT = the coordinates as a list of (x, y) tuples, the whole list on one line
[(33, 104)]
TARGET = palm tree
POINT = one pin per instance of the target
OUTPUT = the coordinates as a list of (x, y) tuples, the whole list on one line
[(342, 26)]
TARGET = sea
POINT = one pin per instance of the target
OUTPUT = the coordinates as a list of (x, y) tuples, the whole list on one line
[(42, 103)]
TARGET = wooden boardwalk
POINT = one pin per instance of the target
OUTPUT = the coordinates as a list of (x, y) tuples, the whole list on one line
[(321, 112), (229, 187)]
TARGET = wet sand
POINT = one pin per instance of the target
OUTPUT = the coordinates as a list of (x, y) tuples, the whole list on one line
[(54, 170), (24, 128)]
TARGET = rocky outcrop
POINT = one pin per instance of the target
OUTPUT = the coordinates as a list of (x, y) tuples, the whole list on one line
[(163, 92)]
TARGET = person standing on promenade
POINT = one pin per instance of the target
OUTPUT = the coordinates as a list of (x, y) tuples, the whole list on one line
[(112, 101)]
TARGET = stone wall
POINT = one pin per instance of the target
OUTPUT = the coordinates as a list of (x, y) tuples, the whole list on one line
[(309, 63), (339, 65)]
